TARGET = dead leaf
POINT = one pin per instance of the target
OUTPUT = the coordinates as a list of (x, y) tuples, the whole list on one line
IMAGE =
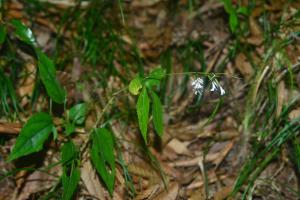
[(294, 114), (178, 146), (223, 193), (10, 128), (150, 192), (91, 180), (255, 28), (34, 183), (169, 194), (281, 96), (244, 66)]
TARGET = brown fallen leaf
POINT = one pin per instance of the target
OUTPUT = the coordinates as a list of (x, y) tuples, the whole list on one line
[(281, 96), (223, 193), (10, 128), (223, 154), (91, 181), (150, 192), (294, 114), (243, 66), (34, 183), (255, 28), (178, 146), (169, 194)]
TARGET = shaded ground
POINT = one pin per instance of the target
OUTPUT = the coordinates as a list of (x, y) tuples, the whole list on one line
[(99, 47)]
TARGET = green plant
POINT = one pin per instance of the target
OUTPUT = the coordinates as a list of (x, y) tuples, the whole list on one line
[(45, 125)]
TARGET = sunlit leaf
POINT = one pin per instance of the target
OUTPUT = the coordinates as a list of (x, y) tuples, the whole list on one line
[(135, 85), (102, 155), (48, 76), (69, 128), (23, 32), (71, 171), (233, 21), (157, 112), (33, 135), (78, 113), (142, 108), (150, 83), (228, 6), (158, 73)]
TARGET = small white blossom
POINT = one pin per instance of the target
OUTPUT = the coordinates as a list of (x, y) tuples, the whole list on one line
[(198, 86), (216, 86), (222, 91)]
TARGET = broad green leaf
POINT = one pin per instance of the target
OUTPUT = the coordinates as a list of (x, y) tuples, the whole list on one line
[(157, 73), (23, 32), (33, 135), (69, 128), (2, 34), (150, 83), (228, 6), (135, 85), (71, 171), (157, 112), (78, 112), (243, 10), (142, 108), (233, 21), (103, 158), (48, 76)]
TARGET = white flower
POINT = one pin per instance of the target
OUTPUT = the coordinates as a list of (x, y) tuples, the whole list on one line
[(198, 86), (216, 86), (222, 91)]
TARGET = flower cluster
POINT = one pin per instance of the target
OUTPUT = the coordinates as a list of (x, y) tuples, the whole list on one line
[(198, 86)]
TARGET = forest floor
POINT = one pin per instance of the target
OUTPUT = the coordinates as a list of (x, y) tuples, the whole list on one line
[(240, 145)]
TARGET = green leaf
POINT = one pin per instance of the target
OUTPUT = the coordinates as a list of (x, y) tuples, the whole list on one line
[(233, 22), (135, 85), (157, 73), (102, 155), (23, 32), (33, 135), (2, 34), (48, 76), (55, 134), (243, 10), (69, 128), (228, 6), (78, 112), (150, 83), (71, 171), (157, 112), (142, 108)]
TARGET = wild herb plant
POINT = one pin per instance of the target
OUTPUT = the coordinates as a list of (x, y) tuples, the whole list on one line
[(40, 127)]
